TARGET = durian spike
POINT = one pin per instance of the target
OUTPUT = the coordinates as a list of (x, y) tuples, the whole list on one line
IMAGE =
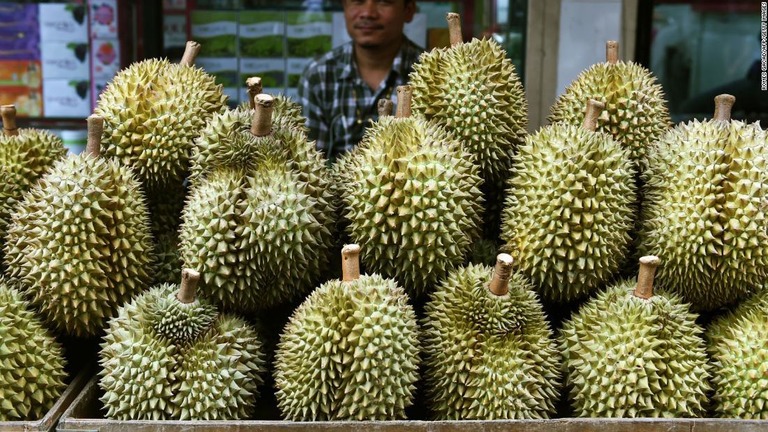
[(262, 115), (8, 113), (350, 262), (385, 107), (612, 52), (501, 273), (644, 288), (254, 87), (723, 105), (188, 290), (594, 108), (190, 53), (454, 28), (404, 94), (95, 129)]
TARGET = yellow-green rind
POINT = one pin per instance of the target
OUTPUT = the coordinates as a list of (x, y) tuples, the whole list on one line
[(488, 357), (705, 211), (350, 351), (624, 356), (31, 361)]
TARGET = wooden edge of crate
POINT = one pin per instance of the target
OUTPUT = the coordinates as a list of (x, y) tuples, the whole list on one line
[(73, 421), (48, 421)]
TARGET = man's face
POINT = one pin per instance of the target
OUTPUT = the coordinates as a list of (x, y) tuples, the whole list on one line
[(377, 23)]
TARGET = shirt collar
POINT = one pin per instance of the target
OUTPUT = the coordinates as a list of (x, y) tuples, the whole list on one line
[(349, 68)]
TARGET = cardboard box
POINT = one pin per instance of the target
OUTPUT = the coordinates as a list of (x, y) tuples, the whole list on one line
[(19, 32), (20, 73), (28, 101), (105, 59), (308, 34), (270, 70), (68, 60), (103, 16), (66, 98), (63, 22), (261, 34), (216, 32), (294, 69)]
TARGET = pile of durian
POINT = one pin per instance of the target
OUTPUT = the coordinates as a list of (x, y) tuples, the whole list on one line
[(609, 264)]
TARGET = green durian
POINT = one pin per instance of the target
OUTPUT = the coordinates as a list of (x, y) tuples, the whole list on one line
[(570, 209), (259, 231), (483, 252), (635, 113), (705, 209), (411, 199), (738, 345), (488, 350), (168, 355), (633, 352), (283, 105), (31, 361), (153, 110), (350, 351), (79, 243), (473, 90)]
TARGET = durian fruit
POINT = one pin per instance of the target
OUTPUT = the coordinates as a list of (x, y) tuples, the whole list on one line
[(738, 345), (153, 110), (31, 361), (705, 209), (473, 90), (169, 355), (488, 350), (570, 209), (411, 199), (25, 155), (350, 351), (79, 242), (633, 352), (283, 105), (635, 113), (258, 230)]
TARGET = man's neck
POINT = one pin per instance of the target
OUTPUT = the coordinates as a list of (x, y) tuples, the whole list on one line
[(374, 64)]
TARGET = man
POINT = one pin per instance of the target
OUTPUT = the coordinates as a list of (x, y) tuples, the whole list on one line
[(340, 91)]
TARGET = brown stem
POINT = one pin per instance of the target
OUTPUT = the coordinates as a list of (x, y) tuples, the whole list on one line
[(644, 288), (8, 113), (723, 105), (454, 28), (404, 94), (594, 108), (190, 53), (254, 88), (612, 52), (95, 129), (385, 107), (262, 115), (187, 291), (500, 281), (350, 262)]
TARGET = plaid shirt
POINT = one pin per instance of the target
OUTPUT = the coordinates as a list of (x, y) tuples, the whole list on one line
[(332, 93)]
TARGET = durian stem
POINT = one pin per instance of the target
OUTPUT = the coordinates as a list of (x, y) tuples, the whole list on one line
[(262, 115), (95, 129), (385, 107), (350, 262), (404, 94), (501, 273), (612, 52), (254, 87), (594, 108), (8, 113), (454, 28), (644, 288), (190, 53), (188, 290), (723, 105)]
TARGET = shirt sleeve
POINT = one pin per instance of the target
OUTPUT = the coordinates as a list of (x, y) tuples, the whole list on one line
[(310, 93)]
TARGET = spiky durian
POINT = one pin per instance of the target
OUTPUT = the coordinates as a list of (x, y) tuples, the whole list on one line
[(411, 198), (31, 361), (472, 90), (705, 208), (350, 351), (168, 355), (633, 352), (258, 232), (79, 242), (153, 110), (570, 209), (284, 107), (488, 350), (635, 114), (738, 345)]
